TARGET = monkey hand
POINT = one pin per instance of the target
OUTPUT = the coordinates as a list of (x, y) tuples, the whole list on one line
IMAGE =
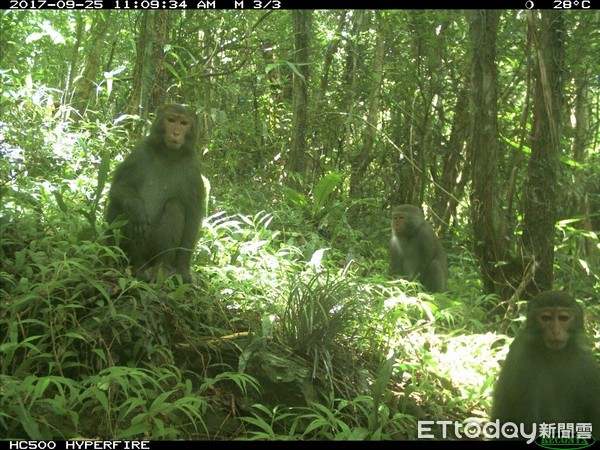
[(140, 222)]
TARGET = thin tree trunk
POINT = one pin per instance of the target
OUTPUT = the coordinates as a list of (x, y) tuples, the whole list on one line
[(456, 166), (582, 140), (135, 98), (328, 59), (350, 78), (149, 76), (160, 79), (541, 192), (84, 95), (79, 28), (300, 25), (361, 161)]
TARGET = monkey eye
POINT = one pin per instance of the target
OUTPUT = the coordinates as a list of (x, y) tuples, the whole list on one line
[(564, 317), (545, 317)]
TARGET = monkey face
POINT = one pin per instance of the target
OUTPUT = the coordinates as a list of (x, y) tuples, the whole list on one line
[(398, 221), (555, 325), (177, 127), (406, 219)]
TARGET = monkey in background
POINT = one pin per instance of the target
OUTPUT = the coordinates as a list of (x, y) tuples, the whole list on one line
[(415, 250)]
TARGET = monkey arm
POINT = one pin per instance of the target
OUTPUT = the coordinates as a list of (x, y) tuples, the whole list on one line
[(124, 194), (195, 213)]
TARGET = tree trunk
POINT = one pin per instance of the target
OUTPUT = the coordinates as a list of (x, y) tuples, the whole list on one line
[(84, 91), (74, 63), (582, 141), (149, 75), (135, 99), (349, 81), (483, 145), (360, 162), (541, 192), (300, 26), (456, 166), (332, 48), (159, 76)]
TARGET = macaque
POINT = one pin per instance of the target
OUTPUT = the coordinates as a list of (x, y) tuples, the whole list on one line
[(550, 374), (415, 250), (159, 190)]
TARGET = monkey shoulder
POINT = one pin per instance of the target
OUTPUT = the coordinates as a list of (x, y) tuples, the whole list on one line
[(135, 161), (189, 176), (192, 166), (528, 352), (133, 158), (129, 172), (424, 241)]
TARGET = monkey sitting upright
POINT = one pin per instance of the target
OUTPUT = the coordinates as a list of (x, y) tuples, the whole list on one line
[(415, 250)]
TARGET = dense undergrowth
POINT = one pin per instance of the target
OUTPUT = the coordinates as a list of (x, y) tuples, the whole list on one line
[(264, 345)]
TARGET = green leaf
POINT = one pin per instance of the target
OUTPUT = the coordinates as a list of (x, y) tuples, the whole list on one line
[(323, 190)]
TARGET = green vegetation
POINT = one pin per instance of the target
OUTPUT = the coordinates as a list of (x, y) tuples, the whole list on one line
[(292, 328)]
